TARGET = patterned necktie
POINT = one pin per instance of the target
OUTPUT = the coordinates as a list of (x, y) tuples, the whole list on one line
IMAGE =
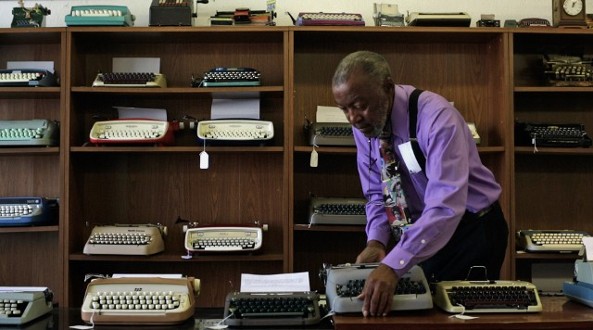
[(394, 198)]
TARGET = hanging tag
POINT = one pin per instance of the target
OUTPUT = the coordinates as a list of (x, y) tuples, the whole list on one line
[(314, 160), (204, 160)]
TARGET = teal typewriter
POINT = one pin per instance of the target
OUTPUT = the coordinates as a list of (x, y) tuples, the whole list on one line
[(100, 16)]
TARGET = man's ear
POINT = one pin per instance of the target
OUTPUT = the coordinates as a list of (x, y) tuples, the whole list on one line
[(388, 84)]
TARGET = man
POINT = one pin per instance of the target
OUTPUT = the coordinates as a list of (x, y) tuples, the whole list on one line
[(443, 210)]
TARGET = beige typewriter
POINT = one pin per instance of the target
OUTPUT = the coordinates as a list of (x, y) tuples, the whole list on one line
[(120, 239), (136, 299), (132, 131), (223, 239), (235, 131)]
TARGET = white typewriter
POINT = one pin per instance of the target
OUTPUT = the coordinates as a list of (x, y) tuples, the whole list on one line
[(140, 299), (233, 131), (132, 131), (345, 282), (144, 239), (223, 239), (20, 305), (34, 132)]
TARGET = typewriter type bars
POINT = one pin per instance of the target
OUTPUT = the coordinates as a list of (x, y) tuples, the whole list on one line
[(316, 19), (125, 240), (34, 132), (551, 240), (130, 79), (223, 239), (132, 131), (344, 283), (331, 134), (337, 211), (487, 297), (235, 131), (271, 309), (138, 300), (20, 305)]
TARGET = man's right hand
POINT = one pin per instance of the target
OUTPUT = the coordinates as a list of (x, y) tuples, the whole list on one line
[(373, 252)]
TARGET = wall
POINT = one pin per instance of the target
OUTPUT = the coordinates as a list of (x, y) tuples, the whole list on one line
[(503, 9)]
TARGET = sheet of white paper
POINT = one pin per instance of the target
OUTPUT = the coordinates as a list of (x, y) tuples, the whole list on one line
[(136, 64), (36, 65), (148, 275), (327, 114), (22, 288), (588, 243), (231, 108), (289, 282), (144, 113)]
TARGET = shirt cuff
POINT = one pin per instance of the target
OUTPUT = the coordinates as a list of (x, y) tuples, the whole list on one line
[(399, 260)]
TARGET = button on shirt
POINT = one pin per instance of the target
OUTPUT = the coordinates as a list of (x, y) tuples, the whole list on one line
[(438, 196)]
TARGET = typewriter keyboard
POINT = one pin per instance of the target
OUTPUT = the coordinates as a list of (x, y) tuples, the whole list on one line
[(545, 238), (12, 307), (15, 77), (252, 309), (221, 244), (120, 239), (97, 12), (232, 75), (335, 131), (341, 209), (16, 210), (405, 286), (131, 78), (237, 135), (136, 300)]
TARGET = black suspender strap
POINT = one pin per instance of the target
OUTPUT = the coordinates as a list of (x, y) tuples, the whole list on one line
[(413, 115)]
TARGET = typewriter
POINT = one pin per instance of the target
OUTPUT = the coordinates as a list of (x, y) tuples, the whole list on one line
[(132, 131), (560, 241), (140, 300), (487, 297), (252, 309), (34, 132), (226, 77), (551, 135), (130, 79), (564, 70), (321, 19), (28, 211), (20, 305), (343, 283), (223, 239), (330, 134), (337, 211), (235, 131), (97, 15), (125, 239), (27, 78)]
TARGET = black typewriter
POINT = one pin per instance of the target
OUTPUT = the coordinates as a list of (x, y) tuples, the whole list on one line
[(27, 77), (227, 77), (130, 79)]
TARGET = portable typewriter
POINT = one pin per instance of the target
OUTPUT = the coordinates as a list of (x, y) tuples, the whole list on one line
[(337, 211), (132, 131), (34, 132), (487, 297), (317, 19), (126, 239), (235, 131), (130, 79), (226, 77), (20, 305), (343, 283), (27, 77), (147, 300), (330, 134), (552, 135), (97, 15), (248, 309), (560, 241), (223, 239), (564, 70), (28, 211)]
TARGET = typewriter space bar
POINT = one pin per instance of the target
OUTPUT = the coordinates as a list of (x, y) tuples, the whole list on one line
[(272, 314), (133, 312)]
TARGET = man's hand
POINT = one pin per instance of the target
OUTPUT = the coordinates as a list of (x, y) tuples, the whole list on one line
[(373, 252), (378, 291)]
